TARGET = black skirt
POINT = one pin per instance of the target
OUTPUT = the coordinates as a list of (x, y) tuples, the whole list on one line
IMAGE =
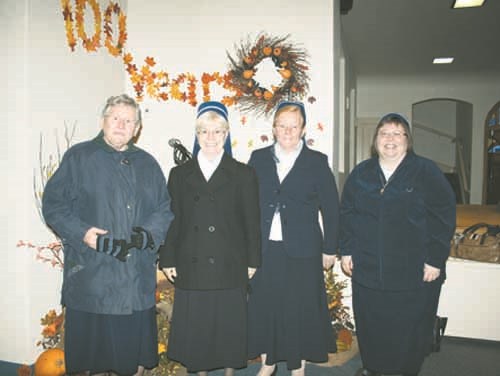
[(394, 328), (287, 310), (209, 329), (119, 343)]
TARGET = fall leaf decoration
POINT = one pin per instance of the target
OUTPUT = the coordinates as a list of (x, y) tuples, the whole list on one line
[(68, 23), (115, 49), (339, 313), (90, 44), (53, 330), (290, 62)]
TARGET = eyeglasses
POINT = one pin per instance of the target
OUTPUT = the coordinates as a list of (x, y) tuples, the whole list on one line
[(117, 120), (396, 134), (216, 132), (284, 128)]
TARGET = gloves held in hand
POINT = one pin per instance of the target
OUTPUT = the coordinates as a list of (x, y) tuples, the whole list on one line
[(113, 247), (141, 239)]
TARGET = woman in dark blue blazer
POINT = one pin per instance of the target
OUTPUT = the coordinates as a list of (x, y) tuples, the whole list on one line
[(397, 221), (288, 314)]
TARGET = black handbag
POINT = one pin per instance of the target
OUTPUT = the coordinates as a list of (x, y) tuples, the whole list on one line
[(438, 332)]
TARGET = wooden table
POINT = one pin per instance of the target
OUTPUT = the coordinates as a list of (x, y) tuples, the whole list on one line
[(468, 215)]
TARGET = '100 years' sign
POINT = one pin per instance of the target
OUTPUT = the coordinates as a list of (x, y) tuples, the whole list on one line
[(109, 31)]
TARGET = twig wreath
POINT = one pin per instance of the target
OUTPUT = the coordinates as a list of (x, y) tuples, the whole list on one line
[(290, 62)]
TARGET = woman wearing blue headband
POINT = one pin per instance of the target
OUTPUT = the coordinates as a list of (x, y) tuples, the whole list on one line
[(397, 221), (288, 313), (211, 250)]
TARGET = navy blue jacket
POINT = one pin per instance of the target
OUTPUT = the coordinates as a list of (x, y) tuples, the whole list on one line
[(97, 186), (391, 235), (307, 190)]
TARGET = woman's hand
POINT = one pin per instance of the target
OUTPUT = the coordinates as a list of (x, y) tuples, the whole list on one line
[(251, 272), (346, 263), (328, 261), (90, 237), (431, 273), (170, 273)]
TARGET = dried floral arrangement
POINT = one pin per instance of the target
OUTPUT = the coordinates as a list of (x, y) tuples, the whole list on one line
[(290, 62), (339, 313)]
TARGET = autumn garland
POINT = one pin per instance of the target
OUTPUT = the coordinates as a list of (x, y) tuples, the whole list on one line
[(90, 44), (117, 49), (290, 62)]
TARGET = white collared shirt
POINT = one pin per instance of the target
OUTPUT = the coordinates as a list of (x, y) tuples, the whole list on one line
[(284, 163), (207, 166)]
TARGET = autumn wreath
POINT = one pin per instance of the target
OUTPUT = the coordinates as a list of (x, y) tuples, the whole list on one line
[(290, 62)]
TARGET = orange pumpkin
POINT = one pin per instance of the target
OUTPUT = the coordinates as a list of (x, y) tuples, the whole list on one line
[(50, 363)]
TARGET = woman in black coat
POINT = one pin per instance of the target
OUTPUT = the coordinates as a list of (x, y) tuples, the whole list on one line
[(288, 313), (211, 250), (397, 221)]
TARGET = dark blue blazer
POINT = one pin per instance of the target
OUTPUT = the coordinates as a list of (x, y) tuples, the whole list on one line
[(390, 234), (308, 189)]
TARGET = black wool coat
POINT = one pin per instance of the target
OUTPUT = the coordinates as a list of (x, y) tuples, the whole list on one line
[(215, 234)]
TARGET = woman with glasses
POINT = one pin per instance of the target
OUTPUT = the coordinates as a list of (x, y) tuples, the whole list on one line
[(397, 221), (288, 313), (211, 250)]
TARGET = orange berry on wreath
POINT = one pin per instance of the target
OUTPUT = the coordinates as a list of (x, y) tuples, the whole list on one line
[(277, 51), (248, 73), (268, 95), (267, 51), (286, 73)]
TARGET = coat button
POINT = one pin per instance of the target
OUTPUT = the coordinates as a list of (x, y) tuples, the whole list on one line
[(271, 205), (195, 228), (211, 260), (212, 198), (283, 206), (197, 198), (194, 260), (277, 191), (211, 228)]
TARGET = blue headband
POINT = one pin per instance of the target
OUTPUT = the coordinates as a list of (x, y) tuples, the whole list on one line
[(214, 106), (300, 105), (394, 115)]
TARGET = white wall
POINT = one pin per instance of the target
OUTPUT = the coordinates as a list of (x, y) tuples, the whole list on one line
[(441, 116), (379, 95), (159, 29), (46, 85)]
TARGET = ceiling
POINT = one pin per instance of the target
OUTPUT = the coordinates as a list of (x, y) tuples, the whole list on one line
[(401, 37)]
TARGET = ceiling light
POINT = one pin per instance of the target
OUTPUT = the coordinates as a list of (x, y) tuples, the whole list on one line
[(443, 60), (467, 3)]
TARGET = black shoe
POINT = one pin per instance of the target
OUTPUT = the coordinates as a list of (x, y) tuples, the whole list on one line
[(366, 372)]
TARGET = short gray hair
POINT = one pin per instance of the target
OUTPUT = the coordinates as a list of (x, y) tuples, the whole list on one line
[(125, 100)]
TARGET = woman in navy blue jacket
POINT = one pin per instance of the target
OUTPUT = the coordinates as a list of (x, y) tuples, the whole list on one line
[(397, 221), (288, 314)]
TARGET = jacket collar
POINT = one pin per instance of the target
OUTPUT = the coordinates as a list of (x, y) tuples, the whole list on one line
[(220, 177), (99, 139)]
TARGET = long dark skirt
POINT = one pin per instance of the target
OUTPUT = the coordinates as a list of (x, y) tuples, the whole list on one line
[(394, 328), (287, 310), (119, 343), (209, 329)]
